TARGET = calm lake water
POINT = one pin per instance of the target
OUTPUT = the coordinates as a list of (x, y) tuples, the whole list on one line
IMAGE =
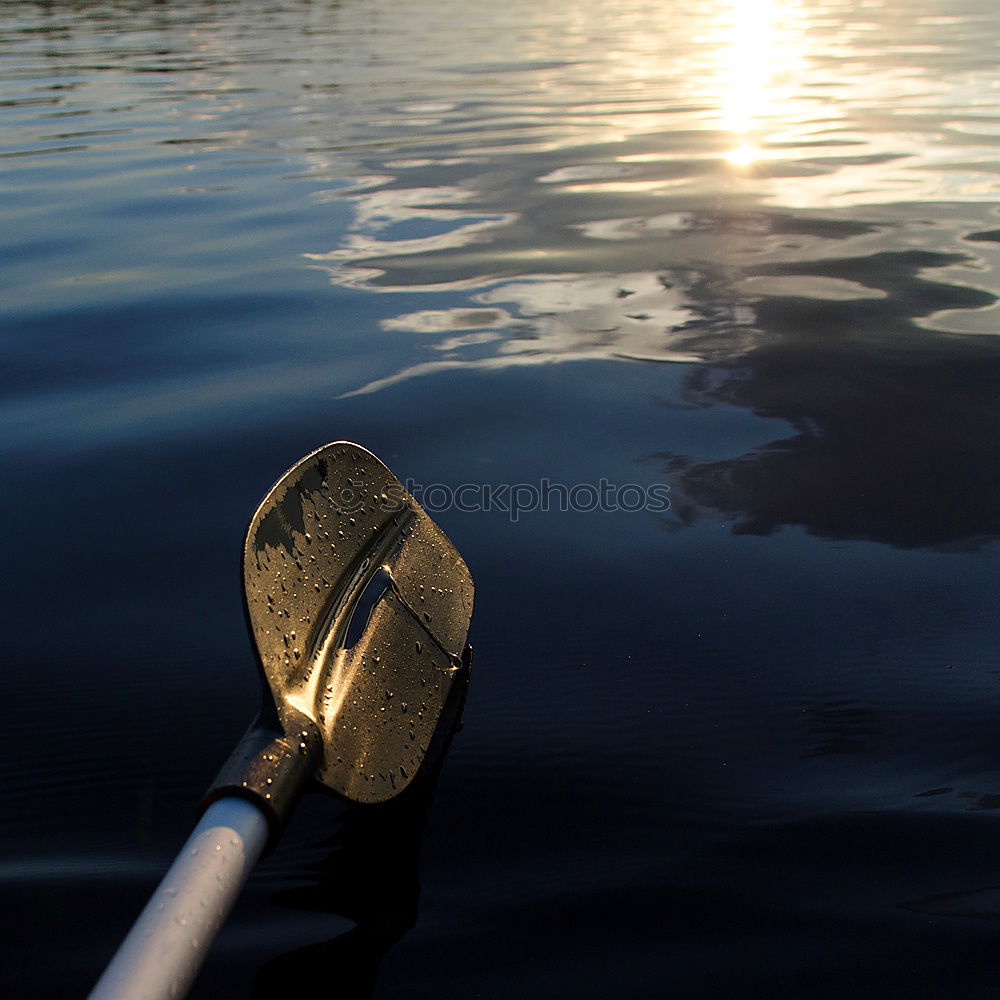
[(744, 249)]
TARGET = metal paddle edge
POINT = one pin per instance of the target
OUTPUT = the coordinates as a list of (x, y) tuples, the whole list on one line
[(359, 719)]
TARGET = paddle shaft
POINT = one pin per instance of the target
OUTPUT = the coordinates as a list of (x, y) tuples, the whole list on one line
[(168, 943)]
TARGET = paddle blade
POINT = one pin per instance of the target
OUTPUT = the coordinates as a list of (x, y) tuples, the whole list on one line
[(334, 524)]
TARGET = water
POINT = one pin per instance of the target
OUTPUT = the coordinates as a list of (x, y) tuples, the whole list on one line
[(744, 250)]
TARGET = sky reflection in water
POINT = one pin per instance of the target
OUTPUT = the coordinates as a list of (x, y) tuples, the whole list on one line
[(701, 131)]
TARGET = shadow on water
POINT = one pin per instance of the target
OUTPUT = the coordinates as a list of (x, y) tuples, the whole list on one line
[(370, 876), (896, 428)]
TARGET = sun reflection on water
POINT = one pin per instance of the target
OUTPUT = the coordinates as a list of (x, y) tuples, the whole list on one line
[(659, 151), (760, 52), (747, 59)]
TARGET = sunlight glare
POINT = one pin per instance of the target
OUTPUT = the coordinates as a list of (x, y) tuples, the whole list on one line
[(747, 60), (760, 46)]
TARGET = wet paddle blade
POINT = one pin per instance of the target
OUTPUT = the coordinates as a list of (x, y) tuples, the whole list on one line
[(334, 526)]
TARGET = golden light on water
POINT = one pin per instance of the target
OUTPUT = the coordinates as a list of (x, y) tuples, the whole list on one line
[(625, 129), (759, 50), (747, 60)]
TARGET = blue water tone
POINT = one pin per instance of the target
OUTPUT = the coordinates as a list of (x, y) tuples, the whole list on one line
[(742, 254)]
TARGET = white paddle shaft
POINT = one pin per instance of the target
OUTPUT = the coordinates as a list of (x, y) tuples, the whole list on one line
[(168, 943)]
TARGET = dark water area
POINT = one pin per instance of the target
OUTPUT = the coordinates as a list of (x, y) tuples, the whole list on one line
[(747, 251)]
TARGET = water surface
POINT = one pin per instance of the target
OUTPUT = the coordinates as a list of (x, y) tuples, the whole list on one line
[(745, 250)]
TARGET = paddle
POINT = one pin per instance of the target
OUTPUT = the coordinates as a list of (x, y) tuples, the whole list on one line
[(358, 716)]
